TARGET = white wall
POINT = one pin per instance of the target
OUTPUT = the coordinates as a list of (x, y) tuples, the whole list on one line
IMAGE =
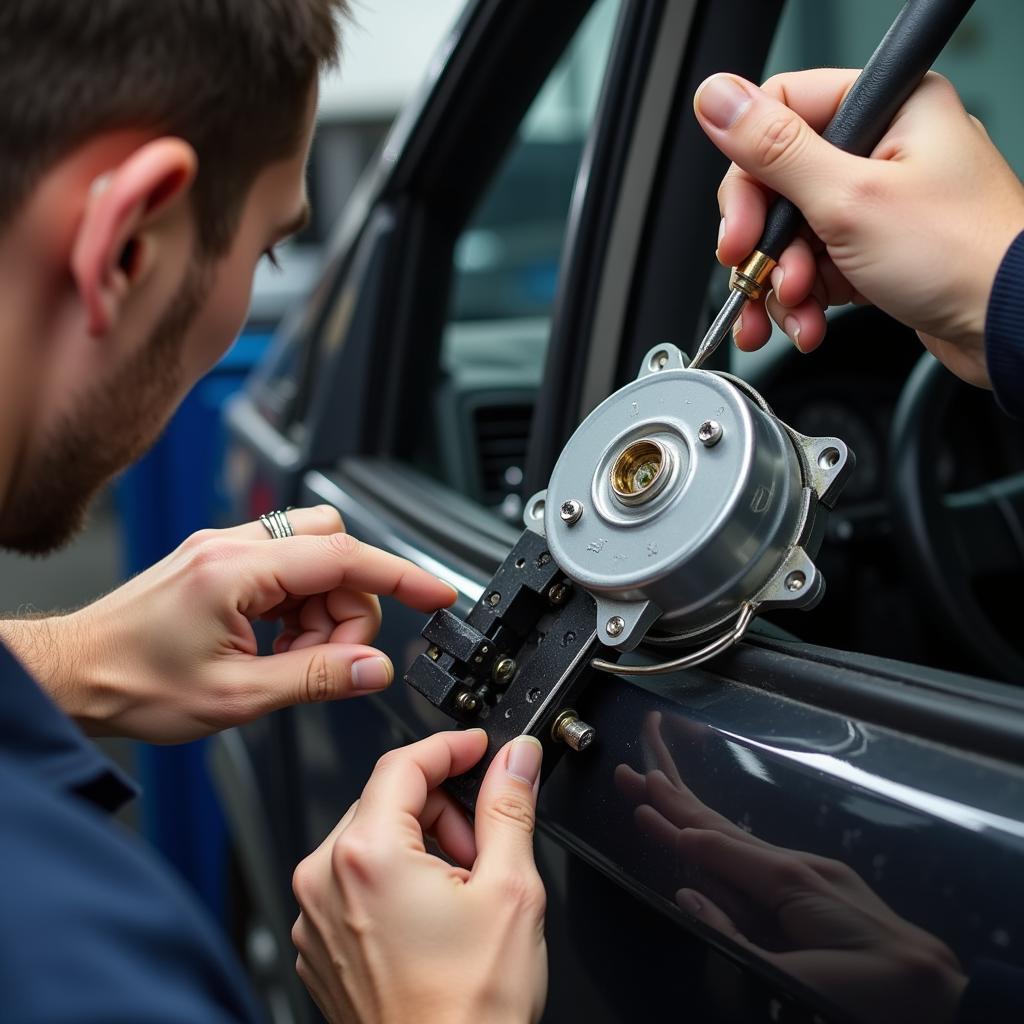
[(387, 48)]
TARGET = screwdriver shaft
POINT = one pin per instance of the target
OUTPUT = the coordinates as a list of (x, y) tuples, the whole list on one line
[(720, 327)]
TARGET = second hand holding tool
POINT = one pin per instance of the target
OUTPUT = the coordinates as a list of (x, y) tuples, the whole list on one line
[(896, 68)]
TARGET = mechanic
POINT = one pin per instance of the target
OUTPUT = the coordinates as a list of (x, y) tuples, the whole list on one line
[(152, 152)]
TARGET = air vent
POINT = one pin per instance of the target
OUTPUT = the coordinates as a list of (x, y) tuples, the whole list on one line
[(501, 433)]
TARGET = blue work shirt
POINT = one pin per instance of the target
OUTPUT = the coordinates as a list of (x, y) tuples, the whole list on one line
[(1004, 331), (93, 929)]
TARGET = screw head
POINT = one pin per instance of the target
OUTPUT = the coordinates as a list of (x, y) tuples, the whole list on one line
[(709, 433), (615, 625), (494, 598), (795, 582), (504, 669), (558, 594), (571, 511), (467, 701)]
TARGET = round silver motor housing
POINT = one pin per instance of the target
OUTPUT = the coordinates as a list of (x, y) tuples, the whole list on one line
[(681, 497)]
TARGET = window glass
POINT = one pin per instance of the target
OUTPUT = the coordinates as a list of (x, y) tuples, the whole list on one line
[(506, 264)]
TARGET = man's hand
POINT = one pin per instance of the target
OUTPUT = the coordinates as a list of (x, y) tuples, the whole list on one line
[(919, 229), (171, 655), (389, 933)]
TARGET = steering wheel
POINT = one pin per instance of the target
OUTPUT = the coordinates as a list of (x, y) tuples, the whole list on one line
[(948, 539)]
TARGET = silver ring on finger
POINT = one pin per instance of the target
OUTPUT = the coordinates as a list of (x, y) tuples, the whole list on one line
[(277, 524)]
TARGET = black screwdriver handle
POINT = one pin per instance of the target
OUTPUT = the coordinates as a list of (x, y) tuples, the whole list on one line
[(914, 40)]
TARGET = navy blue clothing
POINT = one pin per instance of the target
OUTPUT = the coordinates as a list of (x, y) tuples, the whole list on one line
[(1004, 331), (93, 930)]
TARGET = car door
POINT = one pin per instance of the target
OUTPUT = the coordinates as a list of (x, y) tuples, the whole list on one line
[(542, 216)]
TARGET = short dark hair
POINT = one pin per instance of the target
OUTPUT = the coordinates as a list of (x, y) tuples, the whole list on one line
[(231, 77)]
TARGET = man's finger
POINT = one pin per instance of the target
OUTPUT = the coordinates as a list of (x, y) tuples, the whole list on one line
[(305, 676), (318, 564), (395, 796), (506, 810), (444, 819), (771, 142), (743, 204)]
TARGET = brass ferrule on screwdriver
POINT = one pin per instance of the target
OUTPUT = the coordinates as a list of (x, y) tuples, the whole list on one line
[(750, 276)]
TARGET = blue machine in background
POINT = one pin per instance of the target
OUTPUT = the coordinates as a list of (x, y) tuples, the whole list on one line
[(176, 489)]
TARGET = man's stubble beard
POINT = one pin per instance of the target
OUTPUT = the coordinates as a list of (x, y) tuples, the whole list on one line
[(50, 494)]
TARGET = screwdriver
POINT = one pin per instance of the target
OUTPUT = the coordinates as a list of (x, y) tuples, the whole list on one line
[(914, 40)]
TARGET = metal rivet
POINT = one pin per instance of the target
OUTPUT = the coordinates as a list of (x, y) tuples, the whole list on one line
[(570, 729), (504, 670), (571, 511), (709, 433), (615, 625), (795, 581), (659, 360)]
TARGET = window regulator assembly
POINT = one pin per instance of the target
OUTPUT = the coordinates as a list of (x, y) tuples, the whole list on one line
[(680, 508)]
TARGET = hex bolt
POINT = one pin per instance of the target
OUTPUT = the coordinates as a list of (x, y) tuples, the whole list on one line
[(615, 625), (467, 701), (558, 594), (503, 671), (709, 433), (570, 729), (571, 511)]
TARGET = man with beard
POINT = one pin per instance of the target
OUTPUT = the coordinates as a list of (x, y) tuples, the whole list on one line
[(152, 151)]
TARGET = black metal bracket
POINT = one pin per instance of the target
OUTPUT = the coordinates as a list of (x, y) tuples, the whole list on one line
[(517, 661)]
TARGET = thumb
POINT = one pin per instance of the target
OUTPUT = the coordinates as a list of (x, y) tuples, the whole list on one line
[(325, 672), (769, 141), (506, 810)]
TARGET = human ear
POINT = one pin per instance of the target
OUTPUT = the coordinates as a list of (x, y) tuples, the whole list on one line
[(124, 208)]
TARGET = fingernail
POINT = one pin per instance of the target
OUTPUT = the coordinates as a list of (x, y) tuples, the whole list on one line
[(371, 674), (737, 327), (792, 327), (687, 899), (524, 758), (721, 100), (721, 234), (778, 275)]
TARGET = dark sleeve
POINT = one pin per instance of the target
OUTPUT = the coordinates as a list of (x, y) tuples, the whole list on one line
[(93, 929), (1004, 331), (994, 995)]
